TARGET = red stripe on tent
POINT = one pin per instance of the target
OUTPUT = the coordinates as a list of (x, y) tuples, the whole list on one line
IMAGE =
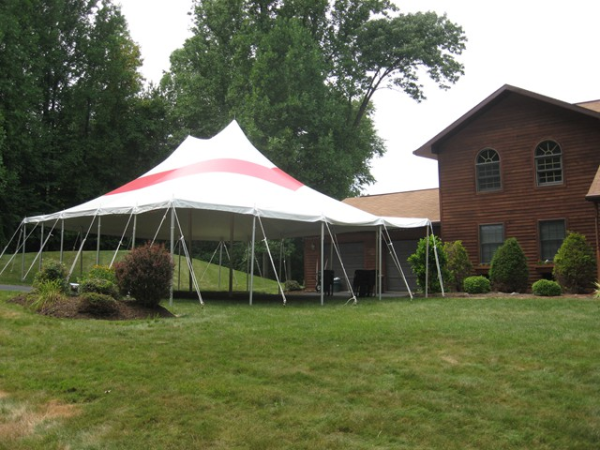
[(274, 175)]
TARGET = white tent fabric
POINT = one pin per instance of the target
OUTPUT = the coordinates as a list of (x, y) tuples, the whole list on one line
[(208, 181)]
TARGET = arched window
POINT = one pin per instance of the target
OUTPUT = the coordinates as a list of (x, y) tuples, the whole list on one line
[(548, 163), (488, 170)]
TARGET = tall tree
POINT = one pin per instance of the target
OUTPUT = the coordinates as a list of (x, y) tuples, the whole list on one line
[(300, 77), (74, 118)]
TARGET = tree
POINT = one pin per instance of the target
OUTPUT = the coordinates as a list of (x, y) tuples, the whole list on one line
[(75, 121), (300, 77), (508, 269), (575, 264)]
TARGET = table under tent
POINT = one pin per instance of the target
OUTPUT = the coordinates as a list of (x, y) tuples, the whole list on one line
[(218, 189)]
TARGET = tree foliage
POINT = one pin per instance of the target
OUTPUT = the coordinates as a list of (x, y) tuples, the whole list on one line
[(575, 264), (75, 120), (508, 269), (459, 264), (300, 77), (424, 264)]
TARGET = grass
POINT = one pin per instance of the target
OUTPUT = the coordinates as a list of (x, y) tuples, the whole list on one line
[(210, 276), (392, 374)]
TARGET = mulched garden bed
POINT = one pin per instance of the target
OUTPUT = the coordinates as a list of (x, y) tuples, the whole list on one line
[(70, 308)]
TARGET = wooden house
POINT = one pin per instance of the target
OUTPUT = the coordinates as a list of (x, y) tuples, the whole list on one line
[(519, 165)]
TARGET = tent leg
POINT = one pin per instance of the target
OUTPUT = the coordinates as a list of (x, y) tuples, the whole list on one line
[(41, 246), (23, 252), (134, 230), (231, 229), (427, 263), (322, 273), (98, 240), (172, 250), (252, 258), (379, 263)]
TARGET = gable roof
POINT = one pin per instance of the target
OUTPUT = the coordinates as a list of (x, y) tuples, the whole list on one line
[(420, 203), (594, 192), (428, 150)]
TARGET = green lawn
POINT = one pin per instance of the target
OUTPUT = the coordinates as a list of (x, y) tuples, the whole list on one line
[(450, 373)]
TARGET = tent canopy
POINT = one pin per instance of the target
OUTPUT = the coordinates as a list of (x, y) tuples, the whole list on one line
[(217, 186)]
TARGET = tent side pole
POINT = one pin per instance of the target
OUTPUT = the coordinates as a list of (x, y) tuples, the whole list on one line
[(252, 258), (190, 240), (379, 263), (23, 252), (220, 261), (98, 240), (134, 230), (427, 263), (172, 250), (62, 240), (231, 229), (322, 273), (41, 246)]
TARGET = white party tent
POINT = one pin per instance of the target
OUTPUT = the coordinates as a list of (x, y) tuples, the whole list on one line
[(216, 189)]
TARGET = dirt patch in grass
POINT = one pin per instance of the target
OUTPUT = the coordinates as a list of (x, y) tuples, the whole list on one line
[(70, 308), (20, 420)]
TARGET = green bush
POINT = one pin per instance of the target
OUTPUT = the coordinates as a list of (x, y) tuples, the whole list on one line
[(97, 304), (51, 271), (508, 269), (46, 294), (459, 264), (103, 273), (292, 285), (146, 273), (546, 288), (419, 266), (476, 285), (100, 286), (575, 264)]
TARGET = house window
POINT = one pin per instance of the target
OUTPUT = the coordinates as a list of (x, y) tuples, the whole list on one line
[(552, 234), (548, 163), (488, 170), (490, 238)]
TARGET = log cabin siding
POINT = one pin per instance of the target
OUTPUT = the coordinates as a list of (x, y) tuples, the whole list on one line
[(514, 126)]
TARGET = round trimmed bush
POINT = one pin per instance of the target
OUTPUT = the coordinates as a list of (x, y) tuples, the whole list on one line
[(508, 269), (476, 285), (97, 304), (146, 273), (546, 288), (575, 264)]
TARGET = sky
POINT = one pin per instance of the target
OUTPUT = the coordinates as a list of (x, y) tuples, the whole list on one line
[(550, 47)]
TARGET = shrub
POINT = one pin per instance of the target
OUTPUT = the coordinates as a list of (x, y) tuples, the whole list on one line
[(508, 269), (546, 288), (146, 274), (292, 285), (47, 293), (103, 273), (97, 304), (100, 286), (419, 266), (575, 264), (51, 271), (459, 264), (477, 285)]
